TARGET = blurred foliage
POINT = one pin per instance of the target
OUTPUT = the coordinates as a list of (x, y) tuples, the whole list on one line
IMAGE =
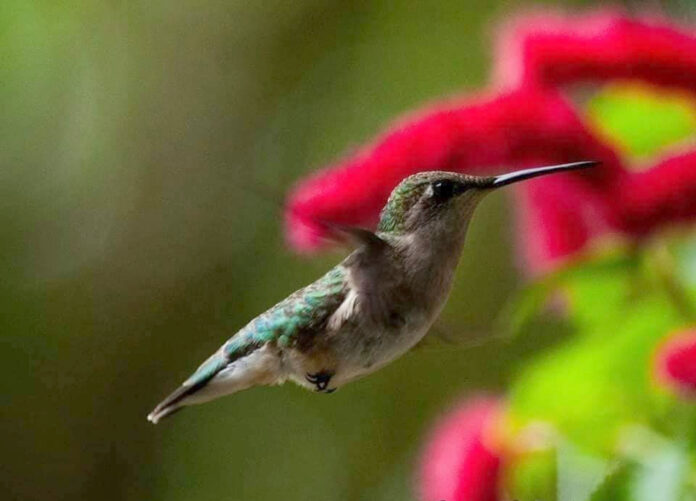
[(614, 433), (639, 120)]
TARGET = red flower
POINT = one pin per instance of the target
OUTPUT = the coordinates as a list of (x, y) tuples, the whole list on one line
[(530, 124), (675, 363), (552, 50), (524, 127), (460, 462), (663, 194), (556, 50)]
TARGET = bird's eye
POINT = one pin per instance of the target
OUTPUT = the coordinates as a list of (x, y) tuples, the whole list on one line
[(444, 190)]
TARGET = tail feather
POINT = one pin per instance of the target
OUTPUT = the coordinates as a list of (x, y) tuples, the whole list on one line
[(198, 380), (170, 405), (220, 375)]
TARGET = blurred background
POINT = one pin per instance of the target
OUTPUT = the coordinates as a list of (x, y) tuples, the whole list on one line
[(145, 149)]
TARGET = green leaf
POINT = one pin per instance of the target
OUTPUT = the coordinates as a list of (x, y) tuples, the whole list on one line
[(600, 291), (592, 385), (598, 384), (595, 288), (579, 473), (533, 476), (640, 120), (662, 465), (617, 485), (663, 474), (663, 263), (680, 262), (685, 256)]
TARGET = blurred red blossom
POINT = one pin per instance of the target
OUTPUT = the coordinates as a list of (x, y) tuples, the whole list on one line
[(461, 461), (675, 362), (524, 127), (528, 124), (665, 193), (553, 49)]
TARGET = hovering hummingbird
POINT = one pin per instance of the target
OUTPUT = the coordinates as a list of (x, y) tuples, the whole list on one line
[(369, 309)]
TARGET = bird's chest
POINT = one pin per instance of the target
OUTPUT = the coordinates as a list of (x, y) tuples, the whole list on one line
[(368, 345), (381, 323)]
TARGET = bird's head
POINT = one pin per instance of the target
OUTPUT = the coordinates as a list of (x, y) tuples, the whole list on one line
[(439, 201)]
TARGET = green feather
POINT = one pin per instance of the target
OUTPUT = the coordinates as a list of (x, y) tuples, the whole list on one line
[(303, 313), (393, 216)]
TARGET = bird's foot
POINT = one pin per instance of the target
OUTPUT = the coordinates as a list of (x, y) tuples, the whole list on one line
[(321, 381)]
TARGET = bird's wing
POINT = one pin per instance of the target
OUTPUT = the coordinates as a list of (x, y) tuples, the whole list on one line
[(303, 314), (300, 316), (377, 282)]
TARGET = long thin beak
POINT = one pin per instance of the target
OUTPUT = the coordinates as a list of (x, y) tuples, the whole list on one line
[(521, 175)]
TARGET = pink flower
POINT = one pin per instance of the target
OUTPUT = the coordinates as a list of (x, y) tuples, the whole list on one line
[(530, 124), (554, 50), (461, 461), (666, 193), (525, 127), (675, 363)]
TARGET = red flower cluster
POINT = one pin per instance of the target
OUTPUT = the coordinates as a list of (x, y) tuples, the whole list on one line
[(675, 363), (530, 123), (553, 50), (461, 461)]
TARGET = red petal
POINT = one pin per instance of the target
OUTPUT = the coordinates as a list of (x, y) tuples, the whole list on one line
[(521, 128), (555, 50), (459, 463), (675, 362), (666, 193), (529, 125)]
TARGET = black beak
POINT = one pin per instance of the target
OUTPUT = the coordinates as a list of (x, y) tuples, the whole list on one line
[(521, 175)]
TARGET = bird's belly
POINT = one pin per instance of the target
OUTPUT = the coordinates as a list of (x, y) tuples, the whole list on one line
[(370, 351), (355, 352)]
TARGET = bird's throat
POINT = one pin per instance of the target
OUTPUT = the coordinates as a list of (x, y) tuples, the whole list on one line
[(430, 261)]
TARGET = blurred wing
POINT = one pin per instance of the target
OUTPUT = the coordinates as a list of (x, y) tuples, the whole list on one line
[(445, 336), (375, 278)]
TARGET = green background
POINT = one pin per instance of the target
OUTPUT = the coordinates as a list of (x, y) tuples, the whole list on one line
[(145, 148)]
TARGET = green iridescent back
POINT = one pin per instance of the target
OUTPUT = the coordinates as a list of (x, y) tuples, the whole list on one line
[(301, 312), (291, 322)]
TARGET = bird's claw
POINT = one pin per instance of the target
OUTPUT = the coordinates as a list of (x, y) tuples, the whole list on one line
[(321, 381)]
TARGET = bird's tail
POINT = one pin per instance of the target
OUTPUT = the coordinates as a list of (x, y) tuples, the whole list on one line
[(171, 404), (221, 375), (207, 371)]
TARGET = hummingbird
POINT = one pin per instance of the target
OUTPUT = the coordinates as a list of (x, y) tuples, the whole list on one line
[(369, 309)]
